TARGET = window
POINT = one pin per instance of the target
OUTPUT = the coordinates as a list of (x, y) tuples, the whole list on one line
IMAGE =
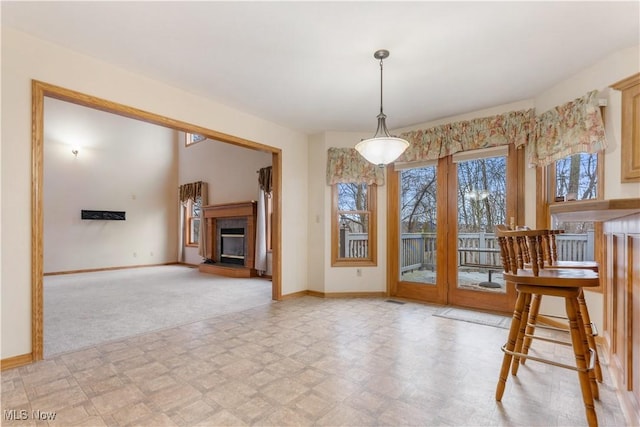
[(576, 177), (418, 224), (192, 138), (481, 205), (353, 227), (192, 223)]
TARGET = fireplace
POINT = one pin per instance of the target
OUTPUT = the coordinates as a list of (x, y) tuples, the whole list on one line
[(231, 234), (232, 245)]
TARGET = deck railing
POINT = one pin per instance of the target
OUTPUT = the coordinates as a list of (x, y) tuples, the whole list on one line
[(576, 247), (418, 250), (571, 247), (356, 245)]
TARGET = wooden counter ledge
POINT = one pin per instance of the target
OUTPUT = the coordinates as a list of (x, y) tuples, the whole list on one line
[(596, 210)]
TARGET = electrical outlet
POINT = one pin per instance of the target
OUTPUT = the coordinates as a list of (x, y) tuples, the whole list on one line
[(359, 272), (151, 253), (135, 254)]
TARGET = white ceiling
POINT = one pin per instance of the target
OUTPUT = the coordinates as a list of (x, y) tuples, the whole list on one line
[(309, 65)]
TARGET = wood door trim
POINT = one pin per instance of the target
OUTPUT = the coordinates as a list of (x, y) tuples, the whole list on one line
[(447, 269), (40, 90), (503, 302), (425, 292), (393, 221)]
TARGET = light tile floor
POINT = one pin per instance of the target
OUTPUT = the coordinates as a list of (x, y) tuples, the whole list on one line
[(307, 361)]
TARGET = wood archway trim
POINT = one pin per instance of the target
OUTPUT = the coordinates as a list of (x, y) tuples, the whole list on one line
[(40, 90)]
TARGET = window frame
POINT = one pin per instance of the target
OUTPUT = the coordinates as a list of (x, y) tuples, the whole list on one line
[(545, 198), (189, 220), (372, 258), (552, 190), (546, 186)]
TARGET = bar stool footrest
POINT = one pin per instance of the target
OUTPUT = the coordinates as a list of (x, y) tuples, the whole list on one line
[(537, 337), (590, 365)]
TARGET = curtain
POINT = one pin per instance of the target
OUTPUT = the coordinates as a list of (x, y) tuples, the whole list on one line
[(192, 191), (260, 263), (346, 165), (181, 207), (264, 179), (203, 235), (264, 191), (444, 140), (570, 128)]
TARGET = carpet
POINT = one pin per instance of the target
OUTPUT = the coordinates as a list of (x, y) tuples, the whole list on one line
[(85, 309), (478, 317)]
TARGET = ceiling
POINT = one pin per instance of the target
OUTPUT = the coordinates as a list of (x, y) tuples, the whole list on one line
[(309, 66)]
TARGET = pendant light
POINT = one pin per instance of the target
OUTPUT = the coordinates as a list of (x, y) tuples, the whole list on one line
[(382, 148)]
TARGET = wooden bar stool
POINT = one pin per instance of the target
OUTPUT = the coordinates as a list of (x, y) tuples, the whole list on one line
[(550, 260), (565, 283)]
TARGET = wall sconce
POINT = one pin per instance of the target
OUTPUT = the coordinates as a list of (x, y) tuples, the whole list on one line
[(75, 151)]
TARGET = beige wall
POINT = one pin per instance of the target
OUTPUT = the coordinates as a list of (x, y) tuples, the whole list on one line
[(25, 58), (339, 279), (318, 215), (229, 170), (122, 165)]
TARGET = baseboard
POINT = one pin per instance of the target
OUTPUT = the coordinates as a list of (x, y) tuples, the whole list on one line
[(16, 361), (186, 264), (347, 294), (334, 294), (315, 294), (240, 271), (294, 295), (91, 270)]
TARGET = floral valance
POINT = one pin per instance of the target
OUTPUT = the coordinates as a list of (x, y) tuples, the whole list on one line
[(444, 140), (571, 128), (346, 165), (191, 191)]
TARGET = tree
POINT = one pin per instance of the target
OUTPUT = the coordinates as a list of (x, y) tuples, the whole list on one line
[(418, 199), (481, 194), (577, 174), (353, 197)]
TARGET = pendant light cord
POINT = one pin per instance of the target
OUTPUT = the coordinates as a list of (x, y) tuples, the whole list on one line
[(381, 86)]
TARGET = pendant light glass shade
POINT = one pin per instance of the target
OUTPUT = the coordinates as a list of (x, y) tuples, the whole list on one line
[(383, 148), (381, 151)]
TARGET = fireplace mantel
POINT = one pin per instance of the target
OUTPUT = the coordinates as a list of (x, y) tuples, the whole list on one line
[(212, 214)]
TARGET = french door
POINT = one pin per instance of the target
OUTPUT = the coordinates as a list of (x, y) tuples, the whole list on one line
[(441, 222)]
